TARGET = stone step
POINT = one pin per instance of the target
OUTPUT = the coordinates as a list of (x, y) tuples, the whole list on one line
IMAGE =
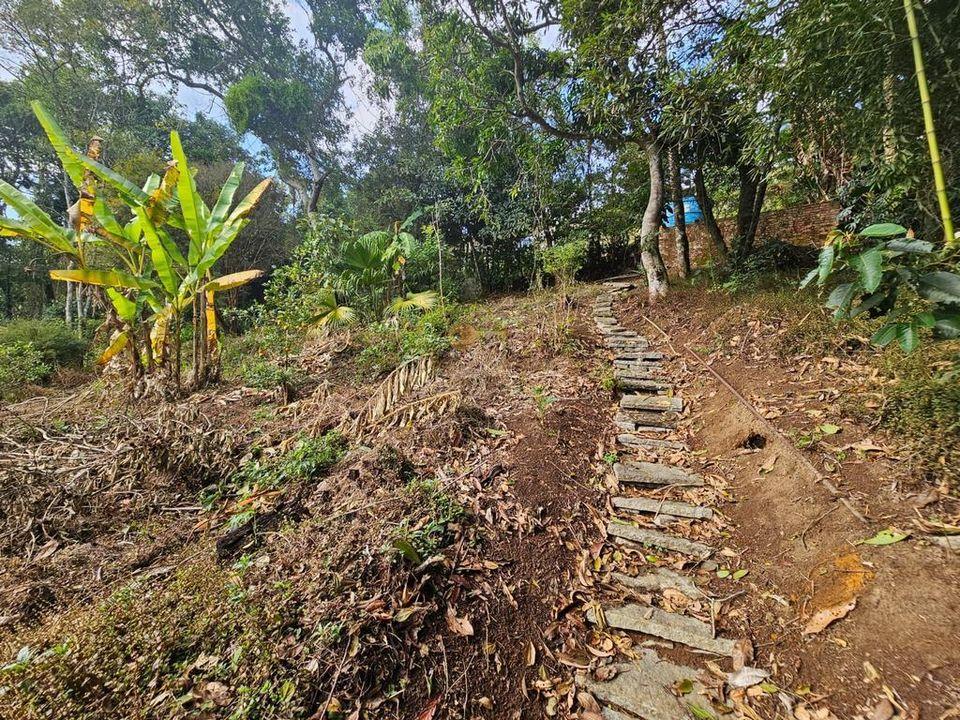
[(649, 418), (638, 372), (651, 403), (647, 473), (627, 425), (635, 383), (660, 579), (648, 355), (630, 440), (666, 625), (637, 365), (665, 507), (659, 540), (644, 688)]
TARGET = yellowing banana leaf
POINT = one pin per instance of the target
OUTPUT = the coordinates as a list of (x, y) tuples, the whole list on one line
[(249, 202), (157, 205), (106, 278), (158, 333), (58, 139), (211, 312), (118, 343), (13, 228), (227, 192), (190, 201), (228, 282), (125, 307)]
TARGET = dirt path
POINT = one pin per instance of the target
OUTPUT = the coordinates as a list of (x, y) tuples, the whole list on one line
[(895, 649)]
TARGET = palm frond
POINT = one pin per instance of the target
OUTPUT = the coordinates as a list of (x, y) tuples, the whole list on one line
[(424, 300)]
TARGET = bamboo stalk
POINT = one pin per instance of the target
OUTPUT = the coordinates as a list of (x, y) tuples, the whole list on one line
[(939, 180)]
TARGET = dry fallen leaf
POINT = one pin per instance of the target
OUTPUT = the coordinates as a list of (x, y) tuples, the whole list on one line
[(458, 625), (823, 618), (531, 654)]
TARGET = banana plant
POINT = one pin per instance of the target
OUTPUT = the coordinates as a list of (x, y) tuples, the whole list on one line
[(148, 280)]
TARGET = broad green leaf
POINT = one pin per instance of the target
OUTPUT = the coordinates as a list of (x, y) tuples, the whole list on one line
[(245, 206), (228, 282), (162, 262), (189, 201), (828, 429), (940, 286), (947, 324), (723, 573), (809, 277), (61, 145), (886, 335), (227, 192), (41, 226), (125, 307), (407, 550), (740, 574), (883, 230), (925, 319), (106, 278), (885, 537), (910, 246), (825, 264), (870, 266), (130, 193), (700, 713), (908, 336), (841, 297)]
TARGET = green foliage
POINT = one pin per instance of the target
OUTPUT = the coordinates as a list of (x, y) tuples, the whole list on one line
[(893, 276), (434, 534), (387, 344), (56, 343), (20, 363), (565, 260)]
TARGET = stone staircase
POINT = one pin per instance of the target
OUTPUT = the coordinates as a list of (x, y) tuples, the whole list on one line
[(654, 493)]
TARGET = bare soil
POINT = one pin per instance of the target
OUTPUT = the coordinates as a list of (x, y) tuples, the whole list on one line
[(803, 548)]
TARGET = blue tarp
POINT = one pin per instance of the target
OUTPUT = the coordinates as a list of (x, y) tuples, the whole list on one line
[(691, 212)]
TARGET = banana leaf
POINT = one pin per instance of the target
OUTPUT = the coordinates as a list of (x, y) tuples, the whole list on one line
[(61, 145), (41, 226), (106, 278), (227, 192), (233, 280), (116, 345), (190, 202)]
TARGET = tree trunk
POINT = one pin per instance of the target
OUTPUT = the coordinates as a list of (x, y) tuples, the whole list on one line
[(650, 257), (680, 228), (709, 220), (752, 192)]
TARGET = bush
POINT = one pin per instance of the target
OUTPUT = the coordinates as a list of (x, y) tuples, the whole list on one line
[(564, 261), (53, 339), (20, 363)]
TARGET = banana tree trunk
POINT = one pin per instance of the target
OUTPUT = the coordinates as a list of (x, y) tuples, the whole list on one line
[(650, 256)]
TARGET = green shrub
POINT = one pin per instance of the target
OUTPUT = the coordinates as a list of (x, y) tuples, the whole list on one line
[(564, 261), (20, 363), (53, 339)]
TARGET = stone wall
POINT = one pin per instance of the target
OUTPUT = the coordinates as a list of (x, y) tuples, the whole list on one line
[(800, 225)]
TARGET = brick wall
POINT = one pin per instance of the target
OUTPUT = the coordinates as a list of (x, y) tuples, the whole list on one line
[(800, 225)]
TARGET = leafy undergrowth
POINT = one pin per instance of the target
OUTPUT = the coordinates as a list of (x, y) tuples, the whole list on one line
[(246, 554), (914, 398)]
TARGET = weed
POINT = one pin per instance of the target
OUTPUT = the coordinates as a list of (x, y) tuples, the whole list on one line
[(611, 458), (427, 537), (20, 363), (542, 399)]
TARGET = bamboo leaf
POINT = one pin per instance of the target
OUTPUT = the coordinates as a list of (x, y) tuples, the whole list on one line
[(106, 278)]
